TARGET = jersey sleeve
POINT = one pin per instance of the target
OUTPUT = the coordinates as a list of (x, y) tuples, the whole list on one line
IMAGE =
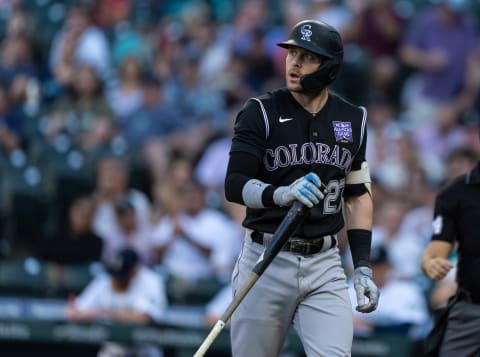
[(150, 295), (443, 225), (250, 130), (359, 157), (91, 297)]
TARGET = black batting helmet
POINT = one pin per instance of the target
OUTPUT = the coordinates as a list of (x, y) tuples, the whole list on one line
[(322, 39)]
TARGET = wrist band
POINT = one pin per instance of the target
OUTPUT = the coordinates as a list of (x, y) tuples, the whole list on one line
[(360, 241), (257, 194)]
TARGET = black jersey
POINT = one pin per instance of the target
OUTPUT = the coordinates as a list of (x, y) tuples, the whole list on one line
[(291, 143), (456, 219)]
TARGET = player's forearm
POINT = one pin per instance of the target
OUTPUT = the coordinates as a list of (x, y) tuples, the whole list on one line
[(434, 262), (359, 212)]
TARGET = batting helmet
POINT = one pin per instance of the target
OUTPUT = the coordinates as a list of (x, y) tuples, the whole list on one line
[(320, 38)]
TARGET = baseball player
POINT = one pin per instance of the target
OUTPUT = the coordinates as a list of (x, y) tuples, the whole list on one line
[(303, 143)]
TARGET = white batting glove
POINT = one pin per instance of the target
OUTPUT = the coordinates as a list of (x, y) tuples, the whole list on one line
[(365, 288), (306, 189)]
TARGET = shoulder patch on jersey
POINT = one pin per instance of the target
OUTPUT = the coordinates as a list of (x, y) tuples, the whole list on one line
[(343, 131), (437, 225)]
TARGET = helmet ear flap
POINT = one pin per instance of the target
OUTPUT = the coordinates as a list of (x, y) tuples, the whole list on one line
[(322, 77)]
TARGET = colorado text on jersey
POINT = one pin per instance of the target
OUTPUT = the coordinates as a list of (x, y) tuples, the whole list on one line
[(308, 153)]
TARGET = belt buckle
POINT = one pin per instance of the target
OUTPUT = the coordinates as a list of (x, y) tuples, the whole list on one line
[(301, 247), (296, 246)]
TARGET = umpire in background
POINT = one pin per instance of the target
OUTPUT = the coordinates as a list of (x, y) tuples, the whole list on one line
[(305, 143), (456, 225)]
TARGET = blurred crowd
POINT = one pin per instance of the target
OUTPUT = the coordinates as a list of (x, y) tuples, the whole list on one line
[(116, 118)]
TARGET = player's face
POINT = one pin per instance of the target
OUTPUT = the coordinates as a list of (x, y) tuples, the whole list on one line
[(298, 63)]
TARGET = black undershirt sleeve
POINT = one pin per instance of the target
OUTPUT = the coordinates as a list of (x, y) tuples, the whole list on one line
[(242, 167), (354, 190)]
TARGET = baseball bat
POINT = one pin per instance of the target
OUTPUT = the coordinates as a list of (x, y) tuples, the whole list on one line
[(290, 222)]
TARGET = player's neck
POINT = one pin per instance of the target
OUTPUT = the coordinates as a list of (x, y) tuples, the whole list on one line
[(312, 103)]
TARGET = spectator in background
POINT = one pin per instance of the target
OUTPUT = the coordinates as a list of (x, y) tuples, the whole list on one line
[(179, 172), (202, 112), (110, 13), (126, 96), (12, 124), (258, 62), (21, 66), (384, 133), (441, 134), (79, 42), (437, 46), (193, 241), (112, 183), (403, 309), (378, 29), (128, 40), (128, 233), (421, 195), (130, 293), (211, 168), (17, 55), (403, 251), (251, 15), (469, 99), (74, 243), (333, 13), (203, 39), (151, 128), (83, 113)]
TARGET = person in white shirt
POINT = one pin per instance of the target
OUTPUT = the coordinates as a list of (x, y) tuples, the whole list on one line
[(128, 293), (128, 232), (79, 41), (196, 241), (111, 185)]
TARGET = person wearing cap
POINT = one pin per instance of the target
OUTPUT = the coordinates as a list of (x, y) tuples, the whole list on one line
[(128, 292), (302, 143), (129, 232)]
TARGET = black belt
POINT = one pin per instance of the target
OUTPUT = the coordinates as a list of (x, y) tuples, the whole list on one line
[(298, 245), (467, 297)]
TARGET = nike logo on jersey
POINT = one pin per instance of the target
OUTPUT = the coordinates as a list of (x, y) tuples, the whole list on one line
[(283, 120)]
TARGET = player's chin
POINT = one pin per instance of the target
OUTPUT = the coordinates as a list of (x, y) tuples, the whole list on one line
[(294, 86)]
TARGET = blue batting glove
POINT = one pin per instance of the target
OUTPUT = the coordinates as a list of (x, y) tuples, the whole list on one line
[(306, 189)]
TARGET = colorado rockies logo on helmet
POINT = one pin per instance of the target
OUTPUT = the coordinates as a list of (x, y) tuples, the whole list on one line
[(306, 32)]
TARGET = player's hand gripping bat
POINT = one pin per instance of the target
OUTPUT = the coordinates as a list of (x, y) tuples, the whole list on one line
[(292, 220)]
